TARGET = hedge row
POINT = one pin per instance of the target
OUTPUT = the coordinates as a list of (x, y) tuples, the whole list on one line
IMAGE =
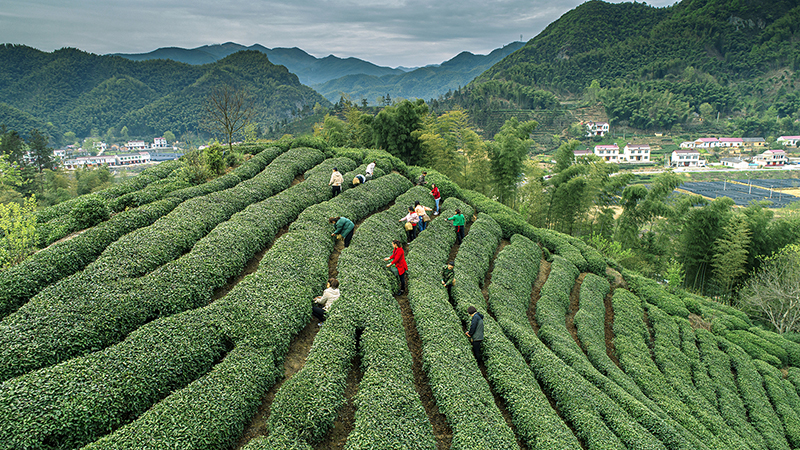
[(784, 400), (609, 402), (758, 348), (630, 339), (515, 270), (149, 175), (791, 348), (38, 334), (149, 194), (751, 390), (512, 223), (702, 381), (145, 249), (389, 413), (253, 323), (677, 371), (589, 321), (729, 402), (461, 394), (650, 291), (21, 282), (722, 317)]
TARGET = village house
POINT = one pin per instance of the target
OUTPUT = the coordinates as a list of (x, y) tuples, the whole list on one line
[(736, 163), (596, 129), (755, 142), (136, 145), (706, 143), (636, 153), (90, 161), (771, 158), (686, 158), (687, 144), (609, 153), (159, 142), (730, 142), (788, 141)]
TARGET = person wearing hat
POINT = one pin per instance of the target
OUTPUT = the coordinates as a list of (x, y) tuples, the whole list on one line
[(421, 179), (412, 220), (336, 182), (448, 277), (359, 179), (458, 222), (475, 333), (420, 210)]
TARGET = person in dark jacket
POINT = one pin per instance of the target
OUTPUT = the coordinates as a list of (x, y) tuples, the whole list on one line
[(421, 179), (344, 228), (448, 278), (475, 333)]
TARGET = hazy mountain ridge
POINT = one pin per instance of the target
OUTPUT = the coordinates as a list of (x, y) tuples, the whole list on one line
[(71, 90)]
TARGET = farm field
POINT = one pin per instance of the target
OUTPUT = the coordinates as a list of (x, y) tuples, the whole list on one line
[(185, 322), (779, 192)]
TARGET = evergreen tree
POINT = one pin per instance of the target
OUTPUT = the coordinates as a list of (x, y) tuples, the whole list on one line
[(397, 128), (41, 153), (730, 253), (506, 156)]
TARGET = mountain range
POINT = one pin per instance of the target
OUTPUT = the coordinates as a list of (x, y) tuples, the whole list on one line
[(353, 78)]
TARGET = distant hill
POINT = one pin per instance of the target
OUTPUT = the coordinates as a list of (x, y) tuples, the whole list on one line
[(309, 69), (655, 67), (71, 90), (425, 82)]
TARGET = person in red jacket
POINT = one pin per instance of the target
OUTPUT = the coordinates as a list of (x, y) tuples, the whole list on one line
[(398, 258), (437, 197)]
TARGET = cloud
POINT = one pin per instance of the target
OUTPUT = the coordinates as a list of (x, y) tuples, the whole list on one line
[(391, 33)]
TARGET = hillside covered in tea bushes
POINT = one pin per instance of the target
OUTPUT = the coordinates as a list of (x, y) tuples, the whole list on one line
[(184, 321)]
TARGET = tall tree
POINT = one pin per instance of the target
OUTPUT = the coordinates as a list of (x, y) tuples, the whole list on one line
[(773, 292), (701, 228), (507, 155), (730, 253), (641, 205), (397, 128), (565, 155), (227, 111), (40, 152), (12, 146)]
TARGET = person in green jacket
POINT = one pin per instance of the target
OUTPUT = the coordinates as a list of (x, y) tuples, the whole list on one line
[(344, 228), (448, 278), (458, 222)]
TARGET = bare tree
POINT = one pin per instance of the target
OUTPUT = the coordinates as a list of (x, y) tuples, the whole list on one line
[(227, 112), (773, 293)]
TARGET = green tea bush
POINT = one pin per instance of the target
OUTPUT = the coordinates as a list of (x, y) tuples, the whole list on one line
[(537, 424), (758, 348), (784, 400), (589, 321), (791, 348), (90, 211), (252, 326), (651, 292), (21, 282), (729, 403), (751, 390), (109, 310), (132, 184), (630, 339), (149, 194)]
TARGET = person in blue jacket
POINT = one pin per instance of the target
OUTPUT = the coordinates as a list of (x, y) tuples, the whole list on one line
[(475, 333), (344, 228)]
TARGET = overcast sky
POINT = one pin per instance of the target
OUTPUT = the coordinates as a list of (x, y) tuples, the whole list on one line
[(388, 33)]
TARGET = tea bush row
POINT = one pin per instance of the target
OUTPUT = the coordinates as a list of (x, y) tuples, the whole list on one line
[(609, 378), (515, 270), (462, 395), (630, 339), (253, 323), (784, 400), (751, 390), (728, 400), (611, 403), (101, 313), (149, 175), (389, 413), (21, 282)]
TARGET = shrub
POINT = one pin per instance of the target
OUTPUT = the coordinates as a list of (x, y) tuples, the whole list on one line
[(90, 211)]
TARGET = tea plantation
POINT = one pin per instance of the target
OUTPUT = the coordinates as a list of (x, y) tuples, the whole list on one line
[(165, 324)]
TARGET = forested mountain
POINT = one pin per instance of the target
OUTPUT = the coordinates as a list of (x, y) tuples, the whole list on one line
[(424, 82), (71, 90), (656, 67), (309, 69)]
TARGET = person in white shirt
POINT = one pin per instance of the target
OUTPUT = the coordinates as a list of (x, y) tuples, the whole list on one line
[(329, 295), (370, 169), (336, 182)]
